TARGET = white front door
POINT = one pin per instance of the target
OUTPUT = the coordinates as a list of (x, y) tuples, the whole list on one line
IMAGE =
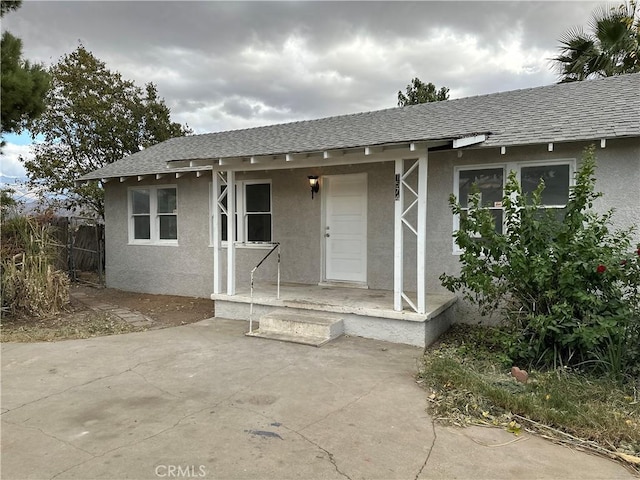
[(345, 227)]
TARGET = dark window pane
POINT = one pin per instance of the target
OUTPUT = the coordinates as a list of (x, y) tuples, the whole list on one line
[(497, 217), (556, 214), (223, 200), (258, 197), (489, 181), (556, 181), (259, 228), (141, 228), (168, 227), (224, 229), (167, 200), (140, 201)]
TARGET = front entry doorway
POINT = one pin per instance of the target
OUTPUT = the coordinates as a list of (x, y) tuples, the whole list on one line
[(345, 223)]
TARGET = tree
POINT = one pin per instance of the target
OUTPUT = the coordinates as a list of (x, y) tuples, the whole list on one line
[(7, 202), (23, 85), (612, 47), (94, 117), (419, 92), (8, 5)]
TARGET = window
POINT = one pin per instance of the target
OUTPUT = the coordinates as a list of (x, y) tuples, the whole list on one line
[(167, 218), (490, 182), (556, 183), (253, 212), (257, 212), (153, 215), (141, 214), (490, 179)]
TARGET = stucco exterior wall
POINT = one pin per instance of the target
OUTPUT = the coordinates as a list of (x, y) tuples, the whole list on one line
[(183, 269), (618, 178), (297, 225), (187, 269)]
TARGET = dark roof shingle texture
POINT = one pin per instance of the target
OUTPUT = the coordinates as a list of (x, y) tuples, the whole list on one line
[(592, 109)]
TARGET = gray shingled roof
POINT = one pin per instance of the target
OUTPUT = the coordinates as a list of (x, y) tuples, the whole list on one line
[(592, 109)]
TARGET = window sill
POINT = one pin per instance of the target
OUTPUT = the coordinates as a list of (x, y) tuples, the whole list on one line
[(153, 244)]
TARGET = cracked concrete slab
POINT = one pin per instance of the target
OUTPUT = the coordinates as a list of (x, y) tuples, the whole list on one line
[(205, 401), (496, 454)]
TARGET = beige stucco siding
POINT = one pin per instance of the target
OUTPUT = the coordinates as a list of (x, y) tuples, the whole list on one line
[(187, 269), (618, 178), (297, 225)]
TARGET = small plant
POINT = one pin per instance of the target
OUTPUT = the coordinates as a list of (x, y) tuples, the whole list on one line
[(30, 283), (568, 286)]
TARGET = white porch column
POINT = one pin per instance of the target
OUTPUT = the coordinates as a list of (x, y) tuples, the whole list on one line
[(421, 267), (398, 273), (231, 233), (410, 212), (215, 231)]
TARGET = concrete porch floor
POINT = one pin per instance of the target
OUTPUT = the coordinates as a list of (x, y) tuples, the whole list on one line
[(365, 313), (337, 299)]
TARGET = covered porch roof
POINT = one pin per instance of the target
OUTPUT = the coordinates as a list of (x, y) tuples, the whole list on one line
[(327, 158), (578, 111)]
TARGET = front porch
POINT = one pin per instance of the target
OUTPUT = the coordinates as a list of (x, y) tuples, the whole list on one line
[(365, 312)]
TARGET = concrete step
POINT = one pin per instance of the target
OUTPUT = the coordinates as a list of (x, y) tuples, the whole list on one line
[(313, 341), (300, 326)]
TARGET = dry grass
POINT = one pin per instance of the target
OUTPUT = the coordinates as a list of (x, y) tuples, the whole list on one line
[(30, 284), (84, 324), (470, 384)]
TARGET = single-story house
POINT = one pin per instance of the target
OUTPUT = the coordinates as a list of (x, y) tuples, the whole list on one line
[(355, 206)]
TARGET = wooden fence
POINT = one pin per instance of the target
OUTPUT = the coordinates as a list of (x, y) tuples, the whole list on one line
[(81, 242)]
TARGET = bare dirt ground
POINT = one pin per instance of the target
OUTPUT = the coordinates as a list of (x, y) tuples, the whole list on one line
[(165, 310), (81, 319)]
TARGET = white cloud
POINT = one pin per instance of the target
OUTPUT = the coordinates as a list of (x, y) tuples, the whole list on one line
[(10, 165), (227, 65)]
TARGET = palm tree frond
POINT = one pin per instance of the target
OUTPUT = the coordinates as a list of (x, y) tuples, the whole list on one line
[(612, 46)]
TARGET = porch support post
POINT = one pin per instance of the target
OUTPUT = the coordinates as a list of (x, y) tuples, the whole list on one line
[(398, 273), (231, 233), (421, 267), (215, 233)]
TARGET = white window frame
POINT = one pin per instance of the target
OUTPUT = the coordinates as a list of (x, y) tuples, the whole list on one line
[(241, 213), (539, 163), (154, 216), (507, 168)]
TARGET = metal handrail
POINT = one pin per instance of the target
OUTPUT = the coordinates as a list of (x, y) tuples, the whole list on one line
[(276, 246)]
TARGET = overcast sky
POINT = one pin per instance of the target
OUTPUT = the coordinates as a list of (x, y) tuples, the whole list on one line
[(229, 65)]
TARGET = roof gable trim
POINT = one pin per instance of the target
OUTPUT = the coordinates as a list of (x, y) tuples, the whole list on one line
[(466, 141)]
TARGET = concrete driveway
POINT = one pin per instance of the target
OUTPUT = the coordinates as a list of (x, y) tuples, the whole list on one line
[(204, 401)]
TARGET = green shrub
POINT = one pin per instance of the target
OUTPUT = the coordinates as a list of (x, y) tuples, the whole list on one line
[(568, 285), (30, 283)]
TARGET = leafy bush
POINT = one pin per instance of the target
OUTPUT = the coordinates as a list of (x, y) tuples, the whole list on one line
[(30, 283), (568, 285)]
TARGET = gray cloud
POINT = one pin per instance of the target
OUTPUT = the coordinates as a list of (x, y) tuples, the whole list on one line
[(225, 65)]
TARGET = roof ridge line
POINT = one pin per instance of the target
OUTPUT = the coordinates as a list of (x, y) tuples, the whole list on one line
[(420, 105)]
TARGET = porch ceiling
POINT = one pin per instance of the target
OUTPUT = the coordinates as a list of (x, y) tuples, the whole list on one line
[(316, 158)]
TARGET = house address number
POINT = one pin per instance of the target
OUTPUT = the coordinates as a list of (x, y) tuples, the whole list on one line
[(397, 187)]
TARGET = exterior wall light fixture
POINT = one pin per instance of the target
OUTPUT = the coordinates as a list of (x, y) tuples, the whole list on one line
[(314, 184)]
